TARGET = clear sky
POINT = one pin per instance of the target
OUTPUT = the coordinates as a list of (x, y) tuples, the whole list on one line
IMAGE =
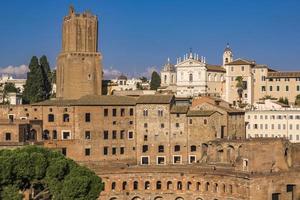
[(138, 34)]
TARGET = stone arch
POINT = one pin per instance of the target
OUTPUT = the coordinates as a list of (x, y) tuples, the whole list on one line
[(179, 185), (158, 198), (169, 185), (198, 198), (220, 153), (198, 185), (179, 198), (66, 117), (46, 135), (136, 198), (147, 185), (113, 198), (189, 185), (113, 185), (223, 188), (135, 185), (230, 154), (158, 185), (207, 186), (239, 150), (216, 187), (124, 185)]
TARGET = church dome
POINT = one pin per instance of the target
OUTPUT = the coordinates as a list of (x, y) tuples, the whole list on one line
[(227, 48), (168, 66), (122, 77)]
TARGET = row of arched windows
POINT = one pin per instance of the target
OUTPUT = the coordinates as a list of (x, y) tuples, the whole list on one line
[(179, 186)]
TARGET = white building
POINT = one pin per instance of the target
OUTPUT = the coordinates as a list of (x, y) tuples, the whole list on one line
[(271, 119), (19, 83), (192, 76)]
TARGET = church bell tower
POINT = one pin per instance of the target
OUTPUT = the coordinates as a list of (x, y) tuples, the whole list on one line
[(79, 64)]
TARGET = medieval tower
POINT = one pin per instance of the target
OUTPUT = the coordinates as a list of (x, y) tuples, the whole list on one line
[(79, 66)]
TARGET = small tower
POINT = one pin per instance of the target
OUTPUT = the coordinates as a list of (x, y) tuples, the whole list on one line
[(227, 55)]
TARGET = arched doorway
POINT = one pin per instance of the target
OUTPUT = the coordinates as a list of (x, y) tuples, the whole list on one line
[(179, 198), (136, 198), (158, 198), (31, 135)]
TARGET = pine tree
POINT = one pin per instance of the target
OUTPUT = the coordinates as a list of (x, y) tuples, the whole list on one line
[(34, 86), (155, 81)]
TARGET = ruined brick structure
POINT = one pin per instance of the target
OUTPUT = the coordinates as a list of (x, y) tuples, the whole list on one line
[(149, 147)]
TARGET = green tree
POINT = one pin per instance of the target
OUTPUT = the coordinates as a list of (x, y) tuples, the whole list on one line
[(45, 174), (47, 76), (239, 86), (284, 100), (10, 87), (155, 81), (38, 84), (143, 79)]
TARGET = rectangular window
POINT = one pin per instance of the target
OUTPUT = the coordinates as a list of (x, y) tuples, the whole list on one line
[(177, 115), (122, 112), (177, 125), (271, 88), (87, 152), (131, 112), (145, 160), (122, 133), (7, 136), (145, 148), (278, 88), (122, 150), (130, 135), (176, 159), (105, 112), (298, 87), (114, 151), (287, 88), (145, 125), (105, 151), (161, 149), (161, 160), (145, 137), (177, 148), (87, 135), (114, 134), (162, 125), (105, 135), (160, 113), (66, 135), (64, 151), (130, 122), (263, 88), (114, 112), (87, 117), (192, 159)]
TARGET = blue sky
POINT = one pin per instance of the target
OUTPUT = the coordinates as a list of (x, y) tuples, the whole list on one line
[(138, 34)]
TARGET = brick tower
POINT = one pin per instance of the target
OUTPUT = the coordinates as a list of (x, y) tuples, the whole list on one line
[(79, 66)]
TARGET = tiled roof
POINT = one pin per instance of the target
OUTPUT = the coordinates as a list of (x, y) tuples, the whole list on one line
[(200, 113), (155, 99), (216, 68), (180, 109), (283, 75), (91, 100), (241, 62)]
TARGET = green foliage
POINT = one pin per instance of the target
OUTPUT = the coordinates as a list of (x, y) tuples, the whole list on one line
[(38, 84), (11, 192), (284, 100), (297, 101), (10, 87), (143, 79), (48, 173), (239, 80), (155, 81)]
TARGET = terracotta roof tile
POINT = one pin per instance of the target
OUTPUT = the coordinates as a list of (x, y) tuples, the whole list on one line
[(155, 99)]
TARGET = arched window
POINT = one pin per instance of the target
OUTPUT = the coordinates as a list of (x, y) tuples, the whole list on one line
[(230, 189), (66, 117), (198, 186), (226, 60), (158, 185), (50, 118), (216, 187), (169, 185), (113, 185), (188, 185), (205, 121), (160, 148), (7, 136), (179, 185), (207, 186), (224, 188), (45, 135), (124, 185), (165, 78), (190, 77), (54, 134), (147, 185), (135, 185)]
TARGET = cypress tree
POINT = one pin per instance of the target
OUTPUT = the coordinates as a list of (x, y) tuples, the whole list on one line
[(155, 81), (47, 76), (34, 86)]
